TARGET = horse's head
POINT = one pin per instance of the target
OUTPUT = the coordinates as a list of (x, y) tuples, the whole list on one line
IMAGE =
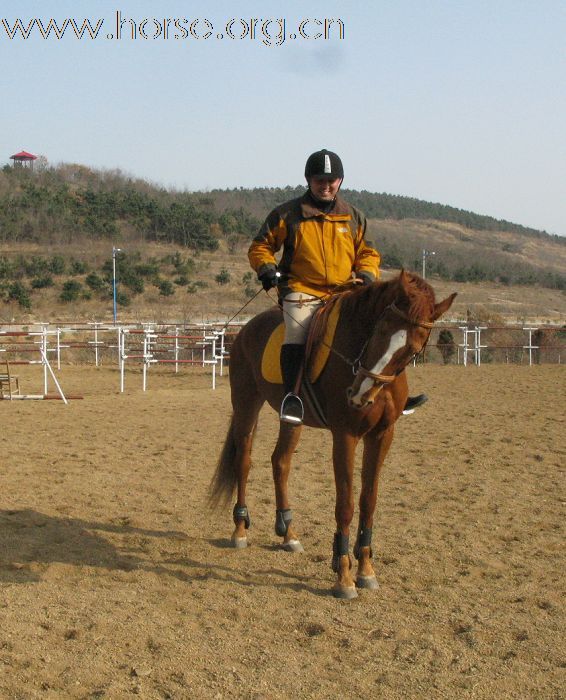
[(400, 331)]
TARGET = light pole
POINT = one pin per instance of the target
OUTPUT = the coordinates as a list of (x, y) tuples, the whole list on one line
[(114, 251), (426, 253)]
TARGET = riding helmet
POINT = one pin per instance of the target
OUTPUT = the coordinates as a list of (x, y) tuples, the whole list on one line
[(324, 164)]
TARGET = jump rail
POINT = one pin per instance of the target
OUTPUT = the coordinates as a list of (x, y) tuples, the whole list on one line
[(42, 347)]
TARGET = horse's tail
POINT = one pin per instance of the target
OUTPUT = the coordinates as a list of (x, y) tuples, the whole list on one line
[(225, 477)]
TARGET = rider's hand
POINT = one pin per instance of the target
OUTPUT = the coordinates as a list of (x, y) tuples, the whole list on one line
[(269, 279), (364, 278)]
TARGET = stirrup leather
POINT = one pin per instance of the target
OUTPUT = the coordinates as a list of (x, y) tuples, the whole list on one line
[(292, 410)]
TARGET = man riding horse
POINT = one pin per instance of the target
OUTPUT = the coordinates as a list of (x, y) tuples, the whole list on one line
[(324, 248)]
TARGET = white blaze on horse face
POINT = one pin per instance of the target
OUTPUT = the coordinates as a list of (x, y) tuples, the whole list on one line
[(398, 341)]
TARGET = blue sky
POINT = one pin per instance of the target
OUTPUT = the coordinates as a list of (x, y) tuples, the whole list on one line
[(458, 102)]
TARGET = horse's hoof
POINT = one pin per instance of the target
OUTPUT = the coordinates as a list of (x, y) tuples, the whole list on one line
[(240, 542), (368, 582), (344, 592), (293, 546)]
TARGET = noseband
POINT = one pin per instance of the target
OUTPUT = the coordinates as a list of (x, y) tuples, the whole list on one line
[(388, 378)]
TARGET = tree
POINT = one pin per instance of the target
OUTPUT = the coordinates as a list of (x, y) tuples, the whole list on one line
[(42, 282), (71, 290), (18, 292), (166, 289), (223, 277), (446, 345), (94, 281)]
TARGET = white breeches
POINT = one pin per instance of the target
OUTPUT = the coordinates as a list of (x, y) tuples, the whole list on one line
[(298, 308)]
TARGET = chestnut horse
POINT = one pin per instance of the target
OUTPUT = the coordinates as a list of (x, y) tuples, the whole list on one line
[(362, 391)]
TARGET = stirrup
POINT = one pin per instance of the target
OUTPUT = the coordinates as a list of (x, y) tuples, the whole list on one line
[(414, 402), (292, 409)]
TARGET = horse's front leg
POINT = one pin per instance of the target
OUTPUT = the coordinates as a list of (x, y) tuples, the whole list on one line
[(343, 454), (281, 464), (376, 446)]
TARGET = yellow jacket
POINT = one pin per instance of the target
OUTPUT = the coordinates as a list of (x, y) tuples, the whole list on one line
[(320, 250)]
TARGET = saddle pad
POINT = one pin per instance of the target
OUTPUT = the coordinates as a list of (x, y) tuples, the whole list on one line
[(270, 364)]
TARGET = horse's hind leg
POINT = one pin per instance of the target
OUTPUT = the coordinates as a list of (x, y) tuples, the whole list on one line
[(281, 465), (244, 421), (376, 447)]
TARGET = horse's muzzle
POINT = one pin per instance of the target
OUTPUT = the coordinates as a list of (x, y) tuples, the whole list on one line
[(366, 399)]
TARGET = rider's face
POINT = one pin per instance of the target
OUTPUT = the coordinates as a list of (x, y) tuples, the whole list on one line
[(324, 188)]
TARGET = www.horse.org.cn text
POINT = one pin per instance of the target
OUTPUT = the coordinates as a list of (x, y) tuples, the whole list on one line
[(269, 32)]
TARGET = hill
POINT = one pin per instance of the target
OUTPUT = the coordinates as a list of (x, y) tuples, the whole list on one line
[(183, 255)]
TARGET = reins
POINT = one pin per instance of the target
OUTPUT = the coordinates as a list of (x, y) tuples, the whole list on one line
[(326, 298), (356, 365), (405, 317), (249, 301)]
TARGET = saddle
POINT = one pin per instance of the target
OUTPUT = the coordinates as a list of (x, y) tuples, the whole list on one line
[(317, 347)]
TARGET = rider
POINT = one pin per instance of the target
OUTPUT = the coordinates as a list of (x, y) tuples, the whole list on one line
[(324, 246)]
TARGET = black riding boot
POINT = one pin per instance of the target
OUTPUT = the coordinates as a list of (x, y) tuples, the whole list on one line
[(414, 402), (292, 355)]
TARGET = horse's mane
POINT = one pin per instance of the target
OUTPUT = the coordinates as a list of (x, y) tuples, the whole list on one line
[(365, 304)]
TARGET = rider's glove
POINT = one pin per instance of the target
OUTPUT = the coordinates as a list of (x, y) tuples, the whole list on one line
[(268, 278), (365, 277)]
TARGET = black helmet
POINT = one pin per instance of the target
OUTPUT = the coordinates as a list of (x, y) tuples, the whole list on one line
[(324, 163)]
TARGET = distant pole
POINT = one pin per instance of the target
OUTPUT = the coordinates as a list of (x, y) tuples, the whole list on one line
[(426, 253), (114, 251)]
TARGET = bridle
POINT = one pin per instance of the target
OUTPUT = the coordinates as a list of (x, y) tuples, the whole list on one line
[(357, 366)]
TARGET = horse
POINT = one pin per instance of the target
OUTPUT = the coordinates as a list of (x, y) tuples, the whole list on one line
[(362, 390)]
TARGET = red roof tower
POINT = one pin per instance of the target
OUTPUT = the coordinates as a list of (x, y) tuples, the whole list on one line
[(23, 159)]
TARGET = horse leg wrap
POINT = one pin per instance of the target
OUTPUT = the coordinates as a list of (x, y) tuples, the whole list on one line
[(282, 521), (340, 548), (241, 513), (363, 540)]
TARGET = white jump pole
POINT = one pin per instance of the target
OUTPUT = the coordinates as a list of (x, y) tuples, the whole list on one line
[(122, 355), (220, 335), (58, 348), (214, 362), (176, 349), (464, 345), (96, 344), (530, 346), (47, 366), (43, 351), (145, 354)]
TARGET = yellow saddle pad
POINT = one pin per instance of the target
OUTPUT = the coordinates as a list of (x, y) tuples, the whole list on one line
[(270, 364)]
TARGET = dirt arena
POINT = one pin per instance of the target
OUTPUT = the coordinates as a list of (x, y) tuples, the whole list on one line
[(115, 580)]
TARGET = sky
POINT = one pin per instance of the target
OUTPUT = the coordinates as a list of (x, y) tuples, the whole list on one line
[(461, 102)]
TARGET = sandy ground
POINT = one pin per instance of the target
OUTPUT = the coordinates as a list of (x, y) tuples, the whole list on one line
[(116, 581)]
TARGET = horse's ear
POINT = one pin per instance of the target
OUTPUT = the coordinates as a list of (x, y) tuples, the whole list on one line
[(404, 280), (443, 306)]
